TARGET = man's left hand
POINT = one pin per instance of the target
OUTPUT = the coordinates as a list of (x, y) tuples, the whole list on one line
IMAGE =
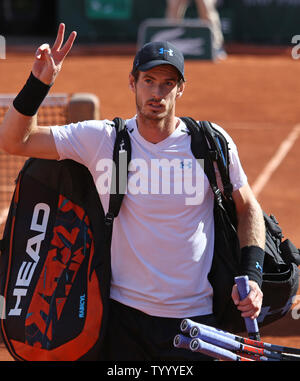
[(251, 305)]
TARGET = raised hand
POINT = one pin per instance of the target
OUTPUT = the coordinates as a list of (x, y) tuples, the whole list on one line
[(48, 61)]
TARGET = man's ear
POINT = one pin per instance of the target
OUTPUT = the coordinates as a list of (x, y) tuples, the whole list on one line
[(180, 90), (132, 82)]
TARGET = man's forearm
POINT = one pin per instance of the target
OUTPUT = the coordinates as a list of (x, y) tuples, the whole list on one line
[(251, 231), (251, 227), (15, 130)]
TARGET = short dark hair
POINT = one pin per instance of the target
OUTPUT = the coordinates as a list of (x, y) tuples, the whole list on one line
[(136, 74)]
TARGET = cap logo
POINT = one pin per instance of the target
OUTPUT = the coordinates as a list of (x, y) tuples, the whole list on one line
[(169, 51)]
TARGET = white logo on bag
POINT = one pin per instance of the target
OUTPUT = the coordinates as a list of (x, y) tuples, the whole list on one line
[(38, 224)]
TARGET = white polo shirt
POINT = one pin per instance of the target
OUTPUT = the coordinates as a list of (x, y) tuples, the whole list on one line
[(163, 238)]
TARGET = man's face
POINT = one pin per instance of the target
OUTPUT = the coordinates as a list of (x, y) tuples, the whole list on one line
[(156, 91)]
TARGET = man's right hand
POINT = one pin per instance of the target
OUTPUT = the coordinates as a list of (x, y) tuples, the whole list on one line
[(48, 61), (20, 134)]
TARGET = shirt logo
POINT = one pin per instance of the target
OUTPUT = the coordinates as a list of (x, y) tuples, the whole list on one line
[(186, 164)]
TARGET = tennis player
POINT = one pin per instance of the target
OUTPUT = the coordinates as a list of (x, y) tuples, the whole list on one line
[(162, 245)]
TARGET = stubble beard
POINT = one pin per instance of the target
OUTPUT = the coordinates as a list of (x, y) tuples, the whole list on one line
[(148, 115), (152, 116)]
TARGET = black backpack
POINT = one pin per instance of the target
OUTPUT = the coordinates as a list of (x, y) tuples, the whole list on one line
[(280, 270)]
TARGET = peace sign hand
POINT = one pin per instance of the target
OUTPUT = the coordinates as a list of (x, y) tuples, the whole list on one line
[(48, 61)]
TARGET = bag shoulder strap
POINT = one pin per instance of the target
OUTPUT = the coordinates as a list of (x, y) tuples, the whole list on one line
[(211, 145), (121, 159), (220, 153), (200, 150)]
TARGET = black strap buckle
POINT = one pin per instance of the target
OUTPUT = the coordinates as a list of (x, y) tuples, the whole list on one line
[(213, 155), (218, 195), (109, 219)]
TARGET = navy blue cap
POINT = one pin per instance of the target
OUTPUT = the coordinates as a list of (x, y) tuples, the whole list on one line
[(159, 53)]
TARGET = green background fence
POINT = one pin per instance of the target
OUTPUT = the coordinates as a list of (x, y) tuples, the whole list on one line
[(258, 21)]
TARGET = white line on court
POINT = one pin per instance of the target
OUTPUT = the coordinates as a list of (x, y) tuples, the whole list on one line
[(276, 160)]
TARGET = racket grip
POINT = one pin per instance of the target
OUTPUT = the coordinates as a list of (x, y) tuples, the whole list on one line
[(198, 345), (186, 325), (181, 341), (218, 340), (242, 283)]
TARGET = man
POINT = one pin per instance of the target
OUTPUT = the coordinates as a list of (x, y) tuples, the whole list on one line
[(162, 243), (207, 11)]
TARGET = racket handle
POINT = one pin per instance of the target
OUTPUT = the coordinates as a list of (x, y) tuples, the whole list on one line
[(181, 341), (242, 283), (208, 349)]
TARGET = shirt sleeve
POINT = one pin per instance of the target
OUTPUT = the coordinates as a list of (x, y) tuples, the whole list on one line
[(237, 175), (81, 141)]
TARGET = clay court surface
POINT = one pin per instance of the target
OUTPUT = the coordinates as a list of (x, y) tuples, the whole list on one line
[(255, 97)]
